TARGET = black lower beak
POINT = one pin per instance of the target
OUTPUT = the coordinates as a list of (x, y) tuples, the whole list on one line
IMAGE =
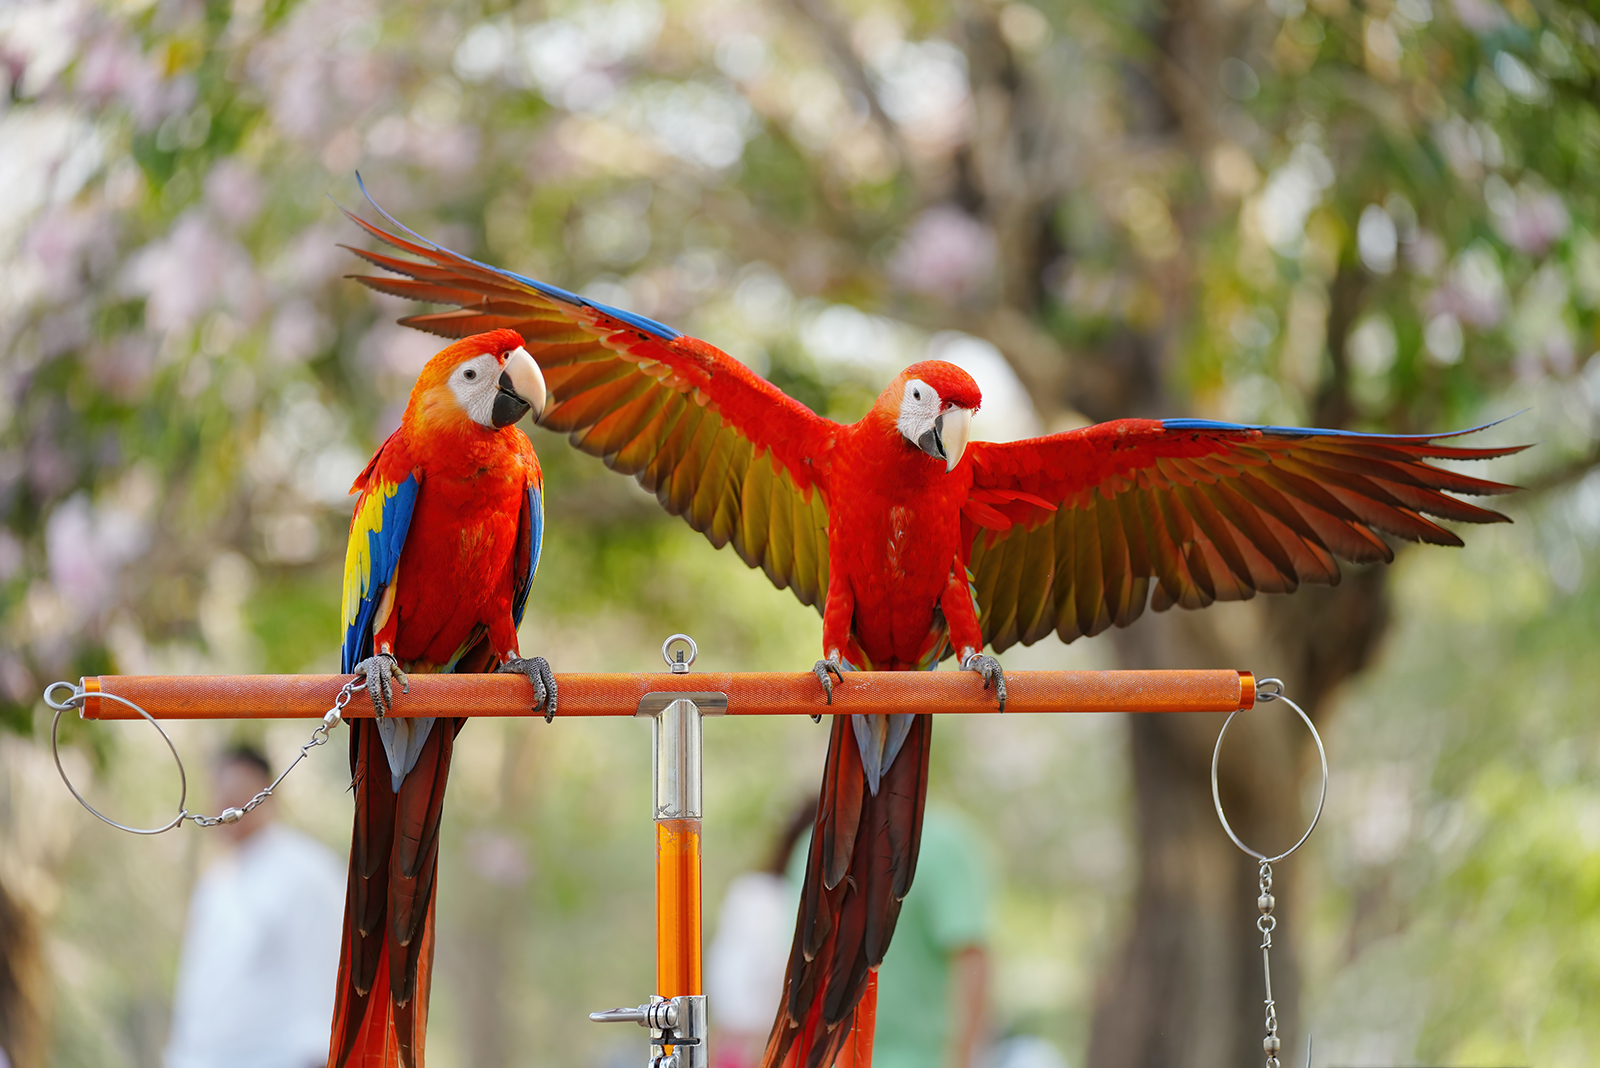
[(508, 404), (932, 442)]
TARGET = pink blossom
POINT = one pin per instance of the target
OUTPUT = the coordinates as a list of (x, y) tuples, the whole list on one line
[(1480, 16), (311, 258), (65, 244), (122, 366), (399, 350), (1535, 222), (189, 272), (233, 192), (946, 254), (86, 547), (298, 332), (116, 71)]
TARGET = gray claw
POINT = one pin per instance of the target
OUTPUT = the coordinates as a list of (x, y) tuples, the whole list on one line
[(990, 669), (822, 669), (379, 669), (536, 670)]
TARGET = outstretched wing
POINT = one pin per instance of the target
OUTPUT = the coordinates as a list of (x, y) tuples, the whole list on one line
[(715, 442), (1070, 531), (377, 535)]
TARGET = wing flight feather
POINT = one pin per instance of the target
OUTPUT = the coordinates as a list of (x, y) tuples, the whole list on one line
[(716, 443), (1077, 531)]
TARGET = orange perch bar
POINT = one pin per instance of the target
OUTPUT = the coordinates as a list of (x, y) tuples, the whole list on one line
[(748, 694)]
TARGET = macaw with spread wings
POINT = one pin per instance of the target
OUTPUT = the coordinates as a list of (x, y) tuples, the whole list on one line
[(917, 544)]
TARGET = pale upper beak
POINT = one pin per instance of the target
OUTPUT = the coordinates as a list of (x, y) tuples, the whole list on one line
[(947, 439), (521, 389)]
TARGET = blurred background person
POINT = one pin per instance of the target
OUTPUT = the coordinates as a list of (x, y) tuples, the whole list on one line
[(255, 980), (933, 987), (746, 959)]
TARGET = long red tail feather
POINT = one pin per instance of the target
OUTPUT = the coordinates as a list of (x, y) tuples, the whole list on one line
[(865, 846), (380, 1013)]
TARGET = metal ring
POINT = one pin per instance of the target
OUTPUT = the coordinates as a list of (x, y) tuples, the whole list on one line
[(78, 696), (1264, 695), (666, 653)]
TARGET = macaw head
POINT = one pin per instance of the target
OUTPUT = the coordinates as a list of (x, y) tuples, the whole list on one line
[(488, 379), (932, 404)]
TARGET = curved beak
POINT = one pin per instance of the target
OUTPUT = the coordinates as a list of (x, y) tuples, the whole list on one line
[(521, 389), (947, 439)]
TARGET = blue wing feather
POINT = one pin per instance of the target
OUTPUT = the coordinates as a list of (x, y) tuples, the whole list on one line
[(377, 537), (535, 506), (1307, 432)]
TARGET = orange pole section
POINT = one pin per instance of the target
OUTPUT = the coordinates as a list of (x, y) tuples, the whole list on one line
[(748, 693), (678, 908)]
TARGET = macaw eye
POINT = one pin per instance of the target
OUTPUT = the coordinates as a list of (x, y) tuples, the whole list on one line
[(469, 374), (916, 394)]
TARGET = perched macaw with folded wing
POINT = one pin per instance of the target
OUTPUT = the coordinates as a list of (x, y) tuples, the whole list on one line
[(444, 544), (916, 544)]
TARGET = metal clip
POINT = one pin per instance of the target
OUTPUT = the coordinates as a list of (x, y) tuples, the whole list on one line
[(658, 1015)]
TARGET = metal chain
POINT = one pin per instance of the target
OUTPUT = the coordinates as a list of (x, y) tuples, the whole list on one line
[(77, 695), (1266, 923), (1268, 690)]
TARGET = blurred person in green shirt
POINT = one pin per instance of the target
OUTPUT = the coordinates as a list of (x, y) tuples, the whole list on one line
[(933, 986)]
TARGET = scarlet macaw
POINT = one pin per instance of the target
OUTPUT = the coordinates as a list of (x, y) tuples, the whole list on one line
[(444, 544), (916, 544)]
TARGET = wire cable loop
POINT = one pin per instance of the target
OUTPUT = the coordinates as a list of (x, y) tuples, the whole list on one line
[(1268, 690), (77, 695)]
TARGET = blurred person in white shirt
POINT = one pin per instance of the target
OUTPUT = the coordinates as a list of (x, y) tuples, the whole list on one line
[(746, 960), (261, 950)]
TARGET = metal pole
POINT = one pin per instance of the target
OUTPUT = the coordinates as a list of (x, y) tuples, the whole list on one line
[(677, 815), (676, 808), (676, 1013)]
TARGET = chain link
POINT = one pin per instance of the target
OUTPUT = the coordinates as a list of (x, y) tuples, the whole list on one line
[(1266, 923), (77, 695)]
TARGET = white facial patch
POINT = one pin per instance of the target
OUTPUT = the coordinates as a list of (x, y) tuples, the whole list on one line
[(919, 407), (475, 384)]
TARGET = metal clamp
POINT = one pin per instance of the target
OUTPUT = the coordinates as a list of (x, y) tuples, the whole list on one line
[(678, 1029)]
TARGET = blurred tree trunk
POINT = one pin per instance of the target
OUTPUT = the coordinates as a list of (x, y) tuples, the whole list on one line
[(1185, 990), (22, 983), (1186, 987)]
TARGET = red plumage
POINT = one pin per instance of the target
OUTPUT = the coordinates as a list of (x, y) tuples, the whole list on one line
[(442, 548), (912, 554)]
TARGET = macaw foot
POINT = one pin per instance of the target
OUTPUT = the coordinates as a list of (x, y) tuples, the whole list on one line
[(989, 668), (536, 670), (822, 670), (379, 670)]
